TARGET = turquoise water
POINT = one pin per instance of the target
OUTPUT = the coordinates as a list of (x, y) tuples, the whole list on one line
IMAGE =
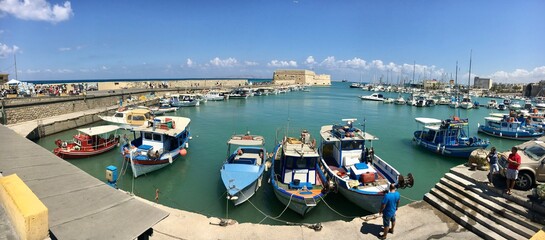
[(193, 182)]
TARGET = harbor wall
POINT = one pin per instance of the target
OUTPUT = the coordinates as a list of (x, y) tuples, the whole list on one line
[(14, 110)]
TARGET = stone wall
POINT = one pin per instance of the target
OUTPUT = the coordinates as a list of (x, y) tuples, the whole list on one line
[(27, 109)]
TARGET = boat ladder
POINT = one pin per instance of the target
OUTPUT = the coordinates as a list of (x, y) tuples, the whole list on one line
[(310, 202)]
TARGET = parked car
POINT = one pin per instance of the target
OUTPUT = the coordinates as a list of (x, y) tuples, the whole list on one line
[(532, 167)]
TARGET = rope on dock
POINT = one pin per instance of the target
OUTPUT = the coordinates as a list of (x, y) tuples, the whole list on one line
[(323, 200), (412, 200)]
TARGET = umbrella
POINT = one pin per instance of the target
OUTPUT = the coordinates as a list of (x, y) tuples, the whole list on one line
[(13, 81)]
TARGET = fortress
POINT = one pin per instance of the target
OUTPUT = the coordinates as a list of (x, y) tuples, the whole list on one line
[(302, 77)]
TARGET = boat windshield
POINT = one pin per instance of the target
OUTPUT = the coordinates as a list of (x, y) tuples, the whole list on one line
[(535, 152), (300, 162), (352, 145)]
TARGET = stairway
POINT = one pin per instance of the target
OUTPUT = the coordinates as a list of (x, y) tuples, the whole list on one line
[(484, 210)]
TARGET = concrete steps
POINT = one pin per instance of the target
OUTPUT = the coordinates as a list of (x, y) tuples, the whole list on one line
[(484, 210)]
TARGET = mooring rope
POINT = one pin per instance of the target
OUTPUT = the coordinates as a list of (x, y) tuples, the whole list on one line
[(323, 200)]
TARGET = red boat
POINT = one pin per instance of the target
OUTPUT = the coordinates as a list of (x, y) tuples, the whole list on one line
[(88, 142)]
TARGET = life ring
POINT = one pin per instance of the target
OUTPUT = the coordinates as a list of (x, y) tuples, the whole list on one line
[(64, 144), (77, 148)]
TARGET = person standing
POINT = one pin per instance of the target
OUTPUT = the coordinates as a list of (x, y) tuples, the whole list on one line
[(388, 209), (492, 159), (513, 161)]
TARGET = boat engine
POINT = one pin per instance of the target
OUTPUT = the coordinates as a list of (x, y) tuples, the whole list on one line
[(403, 182)]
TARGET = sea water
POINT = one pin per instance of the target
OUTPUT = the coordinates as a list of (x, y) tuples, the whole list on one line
[(193, 182)]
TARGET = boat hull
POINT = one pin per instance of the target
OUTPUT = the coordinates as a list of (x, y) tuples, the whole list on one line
[(449, 150), (523, 136), (369, 202), (296, 203), (246, 193), (144, 166), (75, 154)]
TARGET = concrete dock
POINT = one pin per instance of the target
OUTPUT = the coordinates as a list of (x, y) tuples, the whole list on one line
[(459, 207)]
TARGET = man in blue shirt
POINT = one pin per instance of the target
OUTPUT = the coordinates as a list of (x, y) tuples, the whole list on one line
[(388, 210)]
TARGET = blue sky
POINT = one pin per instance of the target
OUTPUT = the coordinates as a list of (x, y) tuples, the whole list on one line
[(347, 39)]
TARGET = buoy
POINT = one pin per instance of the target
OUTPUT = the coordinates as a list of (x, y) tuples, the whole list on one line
[(183, 152)]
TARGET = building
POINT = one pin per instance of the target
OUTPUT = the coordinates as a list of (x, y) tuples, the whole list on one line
[(432, 84), (534, 89), (482, 83), (302, 77), (4, 78)]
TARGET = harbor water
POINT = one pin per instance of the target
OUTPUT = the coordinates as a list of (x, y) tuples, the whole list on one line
[(193, 183)]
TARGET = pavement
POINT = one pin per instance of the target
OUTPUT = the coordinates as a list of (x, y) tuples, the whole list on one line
[(418, 220)]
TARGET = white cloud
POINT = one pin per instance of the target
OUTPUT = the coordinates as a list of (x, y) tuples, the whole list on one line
[(229, 62), (310, 61), (189, 63), (276, 63), (64, 71), (249, 63), (64, 49), (39, 10), (105, 68), (6, 50), (519, 75)]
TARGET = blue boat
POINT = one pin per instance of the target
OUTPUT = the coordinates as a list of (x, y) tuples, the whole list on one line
[(157, 145), (447, 137), (502, 126), (296, 174), (242, 171), (357, 173)]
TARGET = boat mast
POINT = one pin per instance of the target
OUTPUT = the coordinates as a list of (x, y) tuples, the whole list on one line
[(15, 60), (469, 77), (414, 68)]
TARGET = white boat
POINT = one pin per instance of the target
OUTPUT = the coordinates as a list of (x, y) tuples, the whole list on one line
[(242, 171), (357, 172), (492, 104), (373, 97), (515, 106), (129, 118), (443, 101), (214, 96), (303, 185), (466, 103), (157, 145), (400, 101), (184, 100), (388, 100)]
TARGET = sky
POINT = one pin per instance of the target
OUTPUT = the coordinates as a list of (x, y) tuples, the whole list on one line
[(356, 40)]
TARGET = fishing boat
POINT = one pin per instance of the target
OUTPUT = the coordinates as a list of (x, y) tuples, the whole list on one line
[(296, 175), (355, 85), (447, 137), (157, 144), (357, 173), (242, 171), (88, 142), (503, 126), (214, 96), (373, 97), (184, 100), (129, 118)]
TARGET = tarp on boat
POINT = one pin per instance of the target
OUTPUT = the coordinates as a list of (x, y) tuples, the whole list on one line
[(92, 131)]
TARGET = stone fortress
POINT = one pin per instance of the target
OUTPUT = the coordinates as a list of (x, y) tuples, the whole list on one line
[(301, 77)]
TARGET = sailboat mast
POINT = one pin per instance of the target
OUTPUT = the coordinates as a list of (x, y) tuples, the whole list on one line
[(469, 77), (414, 68), (15, 60)]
